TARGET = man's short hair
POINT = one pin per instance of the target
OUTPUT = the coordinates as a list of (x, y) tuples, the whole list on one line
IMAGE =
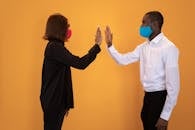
[(156, 16)]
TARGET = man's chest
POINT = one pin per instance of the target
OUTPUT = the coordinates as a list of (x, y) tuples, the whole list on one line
[(152, 56)]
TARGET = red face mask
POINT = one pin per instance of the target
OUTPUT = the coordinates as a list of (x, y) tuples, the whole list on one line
[(68, 34)]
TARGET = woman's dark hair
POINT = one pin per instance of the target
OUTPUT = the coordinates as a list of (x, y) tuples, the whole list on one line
[(56, 27), (156, 16)]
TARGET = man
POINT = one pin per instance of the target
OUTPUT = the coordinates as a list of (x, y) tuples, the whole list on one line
[(56, 89), (159, 72)]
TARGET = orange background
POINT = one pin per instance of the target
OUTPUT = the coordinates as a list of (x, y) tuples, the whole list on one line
[(107, 96)]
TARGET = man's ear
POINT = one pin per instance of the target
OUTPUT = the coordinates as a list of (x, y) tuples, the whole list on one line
[(155, 25)]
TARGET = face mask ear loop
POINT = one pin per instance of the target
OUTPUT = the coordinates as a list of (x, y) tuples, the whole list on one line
[(68, 34)]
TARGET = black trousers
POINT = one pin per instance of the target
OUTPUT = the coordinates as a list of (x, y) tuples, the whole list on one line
[(152, 108), (53, 119)]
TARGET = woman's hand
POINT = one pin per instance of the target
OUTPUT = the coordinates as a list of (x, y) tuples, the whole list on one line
[(98, 37)]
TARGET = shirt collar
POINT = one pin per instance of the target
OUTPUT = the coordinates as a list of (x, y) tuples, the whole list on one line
[(157, 38)]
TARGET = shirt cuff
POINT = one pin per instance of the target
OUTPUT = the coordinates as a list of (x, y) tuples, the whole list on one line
[(165, 115), (95, 49), (111, 48)]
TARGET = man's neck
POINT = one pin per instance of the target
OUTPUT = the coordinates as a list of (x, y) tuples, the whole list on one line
[(154, 35)]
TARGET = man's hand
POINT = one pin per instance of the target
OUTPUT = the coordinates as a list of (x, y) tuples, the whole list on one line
[(108, 36), (98, 37), (161, 124)]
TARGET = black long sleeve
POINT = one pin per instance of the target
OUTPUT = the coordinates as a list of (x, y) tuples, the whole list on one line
[(56, 89), (61, 54)]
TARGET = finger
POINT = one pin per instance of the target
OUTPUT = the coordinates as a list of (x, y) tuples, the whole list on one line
[(98, 33), (158, 126), (161, 128), (164, 128), (99, 30), (106, 34), (108, 29)]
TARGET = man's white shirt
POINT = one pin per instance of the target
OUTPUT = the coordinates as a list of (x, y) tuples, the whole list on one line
[(159, 69)]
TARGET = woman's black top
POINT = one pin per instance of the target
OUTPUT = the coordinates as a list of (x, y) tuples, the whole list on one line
[(56, 89)]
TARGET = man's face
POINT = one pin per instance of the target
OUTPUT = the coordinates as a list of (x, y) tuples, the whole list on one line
[(146, 21)]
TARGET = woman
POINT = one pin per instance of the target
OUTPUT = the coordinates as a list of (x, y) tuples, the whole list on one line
[(56, 90)]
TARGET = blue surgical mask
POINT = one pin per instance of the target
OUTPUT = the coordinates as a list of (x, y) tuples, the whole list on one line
[(145, 31)]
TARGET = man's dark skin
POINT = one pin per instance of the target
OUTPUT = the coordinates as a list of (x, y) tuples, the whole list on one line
[(161, 123), (147, 21)]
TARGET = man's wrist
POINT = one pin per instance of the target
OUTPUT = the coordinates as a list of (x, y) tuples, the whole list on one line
[(109, 44)]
